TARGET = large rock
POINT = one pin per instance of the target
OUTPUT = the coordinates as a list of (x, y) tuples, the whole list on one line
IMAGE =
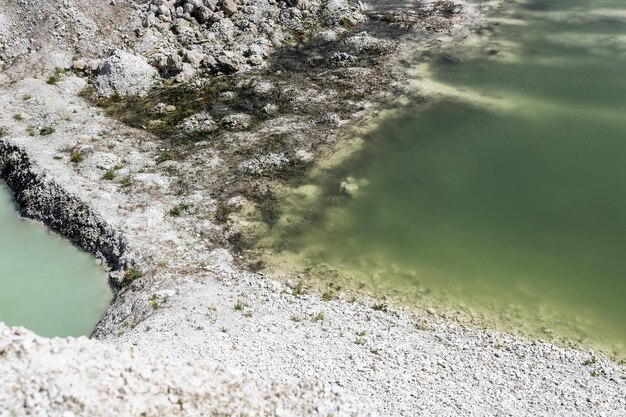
[(125, 74)]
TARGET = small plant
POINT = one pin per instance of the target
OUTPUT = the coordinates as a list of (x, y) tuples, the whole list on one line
[(171, 170), (126, 181), (178, 210), (3, 131), (247, 314), (157, 302), (109, 175), (26, 97), (298, 289), (115, 97), (18, 117), (380, 307), (57, 157), (329, 295), (223, 329), (53, 79), (31, 130), (595, 373), (132, 274), (240, 305), (46, 130), (76, 157), (422, 325), (359, 341), (165, 156), (361, 333), (319, 317), (590, 361), (296, 319)]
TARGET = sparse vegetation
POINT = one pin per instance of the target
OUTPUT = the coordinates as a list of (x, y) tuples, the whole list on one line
[(3, 131), (18, 117), (296, 318), (52, 80), (126, 181)]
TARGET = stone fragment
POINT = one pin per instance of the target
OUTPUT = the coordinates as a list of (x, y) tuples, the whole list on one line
[(229, 7)]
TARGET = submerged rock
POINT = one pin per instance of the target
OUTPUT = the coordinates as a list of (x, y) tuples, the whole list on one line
[(351, 186)]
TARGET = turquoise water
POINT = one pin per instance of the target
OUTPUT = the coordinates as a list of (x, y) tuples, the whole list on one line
[(46, 284), (516, 209)]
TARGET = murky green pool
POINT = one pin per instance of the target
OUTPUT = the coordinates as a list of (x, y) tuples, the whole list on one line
[(46, 284), (512, 205)]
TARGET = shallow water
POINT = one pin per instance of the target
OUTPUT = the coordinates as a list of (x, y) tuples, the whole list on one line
[(516, 209), (46, 284)]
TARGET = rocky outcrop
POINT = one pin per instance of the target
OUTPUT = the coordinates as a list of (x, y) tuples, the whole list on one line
[(45, 201)]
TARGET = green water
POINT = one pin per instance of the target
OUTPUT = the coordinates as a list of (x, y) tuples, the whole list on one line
[(516, 210), (46, 284)]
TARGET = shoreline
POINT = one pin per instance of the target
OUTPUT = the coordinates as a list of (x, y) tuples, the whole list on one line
[(190, 300)]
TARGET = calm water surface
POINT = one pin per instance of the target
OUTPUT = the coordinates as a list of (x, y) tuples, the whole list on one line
[(516, 210), (46, 284)]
